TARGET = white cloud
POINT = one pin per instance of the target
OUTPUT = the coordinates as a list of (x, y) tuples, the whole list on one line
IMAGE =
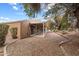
[(12, 3), (7, 18), (15, 8), (4, 18), (1, 17)]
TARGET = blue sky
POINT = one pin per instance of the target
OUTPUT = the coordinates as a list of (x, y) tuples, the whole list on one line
[(13, 12)]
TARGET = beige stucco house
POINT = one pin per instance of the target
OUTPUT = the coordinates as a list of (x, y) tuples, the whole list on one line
[(25, 28)]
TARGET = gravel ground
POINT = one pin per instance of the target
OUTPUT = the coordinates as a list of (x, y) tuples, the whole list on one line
[(37, 46), (45, 46), (8, 41), (72, 47), (1, 51)]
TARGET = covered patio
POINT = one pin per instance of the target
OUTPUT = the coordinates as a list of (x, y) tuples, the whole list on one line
[(36, 28)]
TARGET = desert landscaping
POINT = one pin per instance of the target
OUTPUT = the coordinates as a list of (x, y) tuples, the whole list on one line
[(44, 29)]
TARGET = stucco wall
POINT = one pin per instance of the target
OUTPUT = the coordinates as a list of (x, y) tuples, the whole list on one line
[(14, 25), (25, 29)]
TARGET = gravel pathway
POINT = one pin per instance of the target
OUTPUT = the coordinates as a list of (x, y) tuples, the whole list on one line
[(72, 47), (8, 41), (45, 46), (1, 51), (37, 46)]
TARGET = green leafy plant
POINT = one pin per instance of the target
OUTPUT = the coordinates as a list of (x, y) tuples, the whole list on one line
[(49, 25), (13, 32), (32, 9), (3, 33), (64, 22)]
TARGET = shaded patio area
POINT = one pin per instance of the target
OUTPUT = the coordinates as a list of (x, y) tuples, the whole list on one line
[(36, 28)]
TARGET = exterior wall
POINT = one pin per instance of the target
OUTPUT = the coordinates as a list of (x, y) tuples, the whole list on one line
[(25, 29), (13, 25)]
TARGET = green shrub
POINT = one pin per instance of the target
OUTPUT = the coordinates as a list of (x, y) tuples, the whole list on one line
[(3, 33), (13, 32), (64, 22), (50, 25)]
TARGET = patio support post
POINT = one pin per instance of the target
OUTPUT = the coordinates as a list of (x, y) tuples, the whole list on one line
[(43, 29), (36, 28)]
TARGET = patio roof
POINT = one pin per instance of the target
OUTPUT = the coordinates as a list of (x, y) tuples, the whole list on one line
[(34, 21)]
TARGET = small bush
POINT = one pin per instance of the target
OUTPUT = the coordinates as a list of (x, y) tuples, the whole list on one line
[(3, 33), (13, 32), (64, 22), (49, 25)]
